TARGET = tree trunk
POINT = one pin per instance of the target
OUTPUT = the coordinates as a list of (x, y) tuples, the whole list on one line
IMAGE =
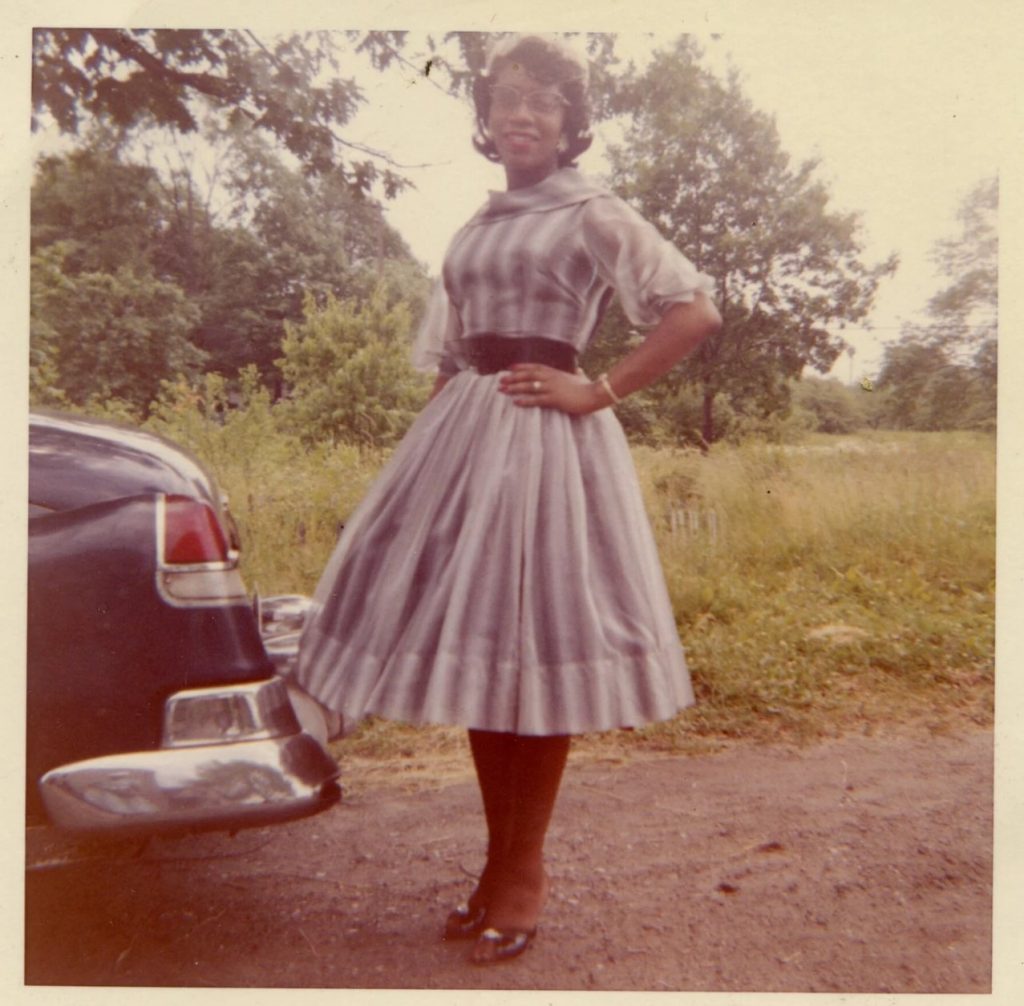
[(708, 423)]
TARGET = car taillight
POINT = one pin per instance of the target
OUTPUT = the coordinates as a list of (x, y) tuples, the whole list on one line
[(192, 533), (197, 566)]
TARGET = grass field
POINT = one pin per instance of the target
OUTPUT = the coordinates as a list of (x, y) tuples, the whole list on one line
[(834, 586), (846, 584)]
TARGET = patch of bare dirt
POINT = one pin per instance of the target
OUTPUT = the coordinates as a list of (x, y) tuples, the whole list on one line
[(859, 865)]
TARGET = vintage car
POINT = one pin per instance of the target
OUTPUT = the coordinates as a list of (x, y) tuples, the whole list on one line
[(153, 704)]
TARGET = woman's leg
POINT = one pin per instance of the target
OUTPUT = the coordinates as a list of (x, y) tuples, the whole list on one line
[(493, 760), (532, 779)]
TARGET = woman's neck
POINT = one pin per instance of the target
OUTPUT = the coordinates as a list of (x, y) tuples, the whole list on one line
[(525, 179)]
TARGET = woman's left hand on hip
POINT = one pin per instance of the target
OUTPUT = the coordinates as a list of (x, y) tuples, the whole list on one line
[(537, 385)]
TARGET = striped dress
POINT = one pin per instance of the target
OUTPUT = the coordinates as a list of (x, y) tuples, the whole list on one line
[(501, 573)]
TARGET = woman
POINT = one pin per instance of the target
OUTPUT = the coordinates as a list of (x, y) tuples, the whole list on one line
[(501, 574)]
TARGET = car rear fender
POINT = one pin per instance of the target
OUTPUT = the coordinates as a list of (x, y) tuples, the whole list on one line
[(98, 678)]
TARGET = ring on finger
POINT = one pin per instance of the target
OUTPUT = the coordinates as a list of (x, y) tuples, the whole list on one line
[(536, 387)]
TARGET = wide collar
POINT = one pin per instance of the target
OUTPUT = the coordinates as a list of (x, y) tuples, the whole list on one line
[(563, 187)]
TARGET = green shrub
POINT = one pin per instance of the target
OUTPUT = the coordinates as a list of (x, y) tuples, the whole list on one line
[(348, 372)]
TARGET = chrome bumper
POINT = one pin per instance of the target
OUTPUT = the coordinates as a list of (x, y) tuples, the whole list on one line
[(282, 619), (231, 757)]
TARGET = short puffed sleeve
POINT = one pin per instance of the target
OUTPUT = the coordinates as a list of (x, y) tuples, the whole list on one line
[(647, 272), (439, 329)]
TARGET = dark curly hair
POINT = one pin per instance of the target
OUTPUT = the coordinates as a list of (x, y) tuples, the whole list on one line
[(550, 64)]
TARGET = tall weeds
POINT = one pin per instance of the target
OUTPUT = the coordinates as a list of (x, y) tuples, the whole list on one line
[(847, 583), (835, 585)]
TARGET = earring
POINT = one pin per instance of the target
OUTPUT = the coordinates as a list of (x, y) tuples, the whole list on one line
[(563, 145)]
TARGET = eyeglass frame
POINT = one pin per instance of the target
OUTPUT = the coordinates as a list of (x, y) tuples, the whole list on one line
[(523, 97)]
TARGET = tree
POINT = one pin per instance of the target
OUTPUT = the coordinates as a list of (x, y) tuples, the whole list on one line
[(348, 373), (113, 217), (44, 381), (104, 322), (927, 388), (942, 373), (246, 268), (225, 271), (830, 406), (319, 234), (285, 235), (99, 335), (107, 213), (289, 87), (965, 312), (708, 170)]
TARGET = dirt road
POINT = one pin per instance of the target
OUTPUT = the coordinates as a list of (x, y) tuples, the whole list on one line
[(860, 865)]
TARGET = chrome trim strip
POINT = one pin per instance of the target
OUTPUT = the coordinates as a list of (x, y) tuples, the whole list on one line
[(160, 514), (199, 567), (234, 598)]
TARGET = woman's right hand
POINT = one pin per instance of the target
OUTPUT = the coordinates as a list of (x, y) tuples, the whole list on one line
[(539, 386)]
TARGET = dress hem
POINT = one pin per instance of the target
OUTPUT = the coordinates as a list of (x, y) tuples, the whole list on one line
[(638, 690)]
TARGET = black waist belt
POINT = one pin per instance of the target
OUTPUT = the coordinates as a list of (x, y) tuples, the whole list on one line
[(487, 354)]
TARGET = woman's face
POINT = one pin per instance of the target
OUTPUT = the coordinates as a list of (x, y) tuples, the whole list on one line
[(525, 123)]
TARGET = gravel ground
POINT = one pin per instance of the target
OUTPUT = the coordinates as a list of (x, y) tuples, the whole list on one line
[(862, 865)]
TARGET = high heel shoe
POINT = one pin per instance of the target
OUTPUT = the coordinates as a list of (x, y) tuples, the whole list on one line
[(494, 945), (465, 922)]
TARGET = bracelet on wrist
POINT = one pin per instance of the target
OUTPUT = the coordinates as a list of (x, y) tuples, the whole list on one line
[(607, 385)]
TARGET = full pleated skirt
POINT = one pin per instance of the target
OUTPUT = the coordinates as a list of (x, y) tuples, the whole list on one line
[(500, 574)]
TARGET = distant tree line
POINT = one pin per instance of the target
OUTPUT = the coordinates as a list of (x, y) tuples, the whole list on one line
[(265, 249), (943, 374)]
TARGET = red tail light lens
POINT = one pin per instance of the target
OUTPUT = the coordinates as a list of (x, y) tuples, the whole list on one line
[(192, 533)]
